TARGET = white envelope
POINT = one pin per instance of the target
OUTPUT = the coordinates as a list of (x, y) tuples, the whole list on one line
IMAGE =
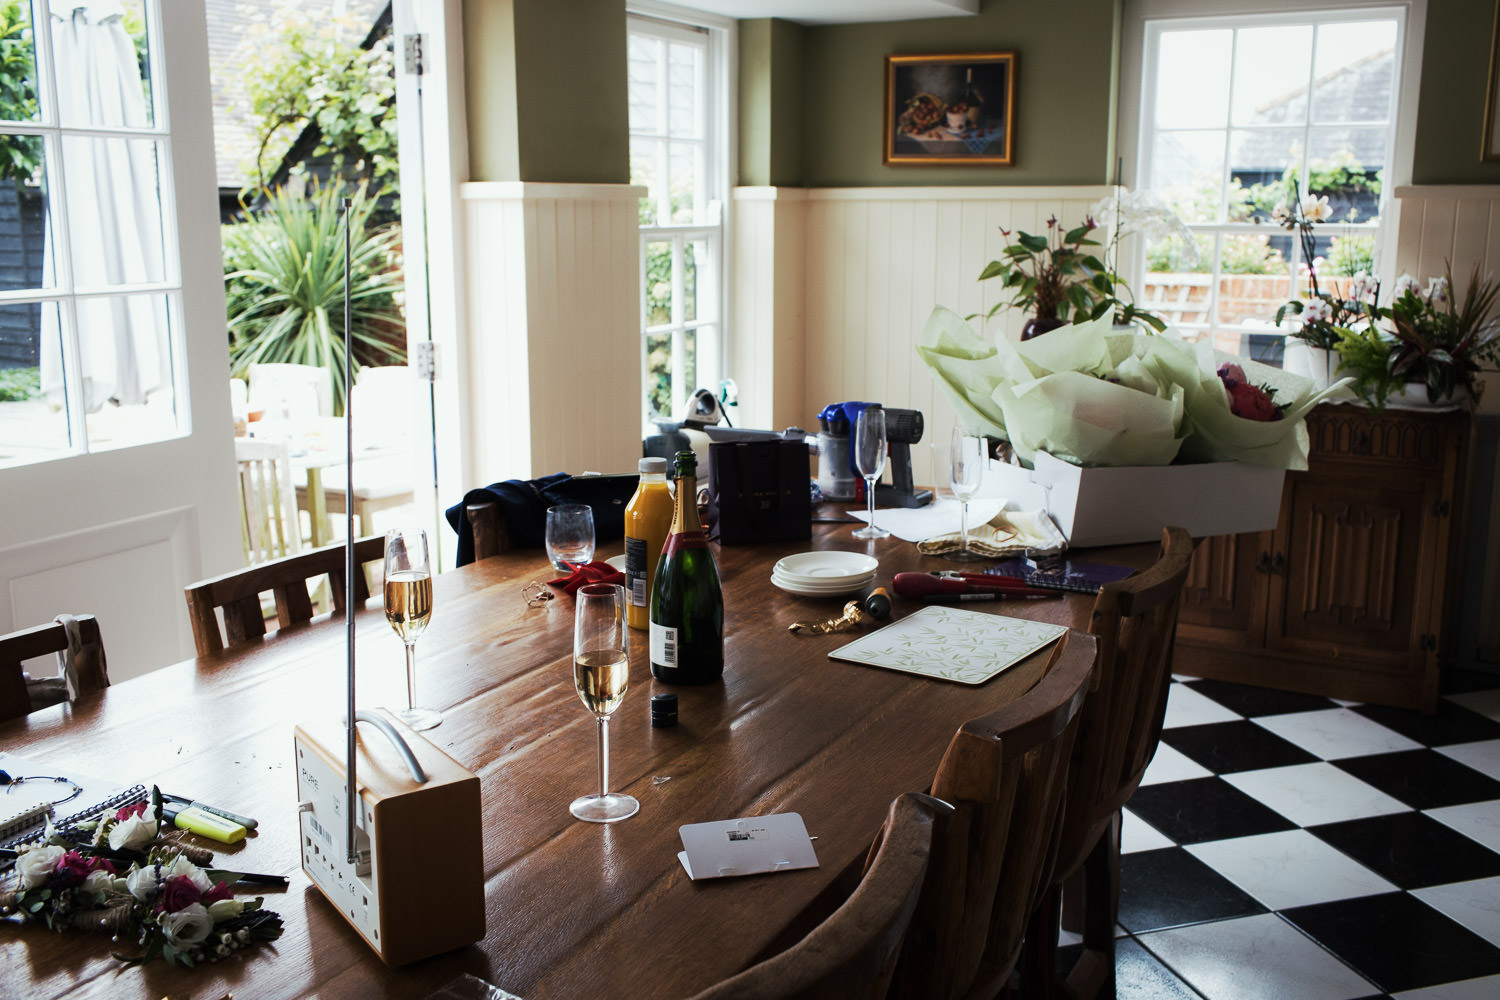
[(746, 846)]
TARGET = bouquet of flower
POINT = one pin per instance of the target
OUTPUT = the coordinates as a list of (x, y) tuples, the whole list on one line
[(153, 892)]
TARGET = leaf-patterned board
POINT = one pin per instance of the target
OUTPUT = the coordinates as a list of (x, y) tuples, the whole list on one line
[(949, 643)]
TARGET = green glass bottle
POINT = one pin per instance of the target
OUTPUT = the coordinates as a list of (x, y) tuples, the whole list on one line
[(687, 605)]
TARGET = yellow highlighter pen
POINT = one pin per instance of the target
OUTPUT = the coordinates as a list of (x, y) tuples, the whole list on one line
[(205, 824)]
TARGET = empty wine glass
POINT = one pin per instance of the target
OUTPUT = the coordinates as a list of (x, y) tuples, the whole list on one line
[(570, 536), (869, 458), (408, 607), (966, 458), (601, 674)]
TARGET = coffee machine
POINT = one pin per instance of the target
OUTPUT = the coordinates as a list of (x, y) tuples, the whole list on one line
[(838, 479)]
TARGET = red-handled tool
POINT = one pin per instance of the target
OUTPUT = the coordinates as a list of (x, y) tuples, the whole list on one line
[(925, 586)]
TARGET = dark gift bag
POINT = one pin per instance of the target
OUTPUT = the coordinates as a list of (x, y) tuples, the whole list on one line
[(759, 490)]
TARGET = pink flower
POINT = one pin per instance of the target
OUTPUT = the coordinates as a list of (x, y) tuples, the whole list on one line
[(220, 891), (1231, 375), (179, 892), (1251, 402), (139, 809), (71, 869)]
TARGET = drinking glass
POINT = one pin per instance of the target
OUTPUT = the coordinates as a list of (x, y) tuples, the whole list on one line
[(570, 536), (869, 458), (408, 607), (966, 458), (601, 674)]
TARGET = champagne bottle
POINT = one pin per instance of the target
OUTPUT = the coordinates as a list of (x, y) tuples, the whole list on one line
[(687, 606)]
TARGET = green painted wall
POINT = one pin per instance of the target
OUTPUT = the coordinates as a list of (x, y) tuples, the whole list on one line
[(1450, 109), (771, 54), (546, 90), (1064, 125), (755, 102)]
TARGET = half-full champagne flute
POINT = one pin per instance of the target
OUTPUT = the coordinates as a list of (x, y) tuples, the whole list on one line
[(966, 457), (601, 674), (408, 607), (869, 458)]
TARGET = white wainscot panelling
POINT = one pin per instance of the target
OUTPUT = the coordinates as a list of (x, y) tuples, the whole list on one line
[(121, 573), (554, 340), (875, 261)]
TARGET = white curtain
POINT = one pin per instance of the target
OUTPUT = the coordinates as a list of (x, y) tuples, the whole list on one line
[(114, 211)]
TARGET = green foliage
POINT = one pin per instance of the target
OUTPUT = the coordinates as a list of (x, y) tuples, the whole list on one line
[(1443, 344), (1251, 254), (20, 155), (20, 384), (1365, 353), (1053, 275), (1349, 255), (284, 281), (310, 69)]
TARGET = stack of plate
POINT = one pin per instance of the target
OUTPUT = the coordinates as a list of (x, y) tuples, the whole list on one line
[(824, 574)]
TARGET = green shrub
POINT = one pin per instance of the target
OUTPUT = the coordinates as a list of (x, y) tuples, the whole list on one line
[(20, 384)]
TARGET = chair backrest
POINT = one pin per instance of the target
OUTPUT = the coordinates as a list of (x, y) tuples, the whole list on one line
[(491, 534), (269, 525), (83, 661), (1135, 622), (1005, 775), (238, 593), (303, 390), (853, 952)]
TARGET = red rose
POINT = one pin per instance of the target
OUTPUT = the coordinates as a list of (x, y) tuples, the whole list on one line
[(1251, 402), (72, 868), (178, 892), (139, 809), (101, 865), (218, 892), (1231, 375)]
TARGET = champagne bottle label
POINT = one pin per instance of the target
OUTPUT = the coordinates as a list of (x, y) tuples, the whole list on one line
[(635, 573), (663, 646)]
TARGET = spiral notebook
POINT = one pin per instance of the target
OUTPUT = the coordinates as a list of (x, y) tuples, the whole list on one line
[(25, 806)]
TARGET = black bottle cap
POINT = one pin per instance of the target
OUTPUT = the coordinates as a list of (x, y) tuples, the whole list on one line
[(663, 710)]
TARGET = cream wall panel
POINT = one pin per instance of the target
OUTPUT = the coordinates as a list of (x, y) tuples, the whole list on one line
[(554, 311)]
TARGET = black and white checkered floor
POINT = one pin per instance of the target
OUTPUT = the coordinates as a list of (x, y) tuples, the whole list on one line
[(1290, 847)]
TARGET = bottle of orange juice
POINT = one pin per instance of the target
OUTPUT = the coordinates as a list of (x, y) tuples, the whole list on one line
[(648, 518)]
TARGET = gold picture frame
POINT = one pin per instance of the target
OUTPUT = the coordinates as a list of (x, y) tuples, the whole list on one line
[(1490, 149), (950, 109)]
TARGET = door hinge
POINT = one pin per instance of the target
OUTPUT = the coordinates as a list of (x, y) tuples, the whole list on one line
[(424, 360), (412, 46), (1440, 508)]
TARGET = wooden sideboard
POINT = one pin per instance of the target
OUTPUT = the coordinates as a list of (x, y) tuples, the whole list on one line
[(1355, 593)]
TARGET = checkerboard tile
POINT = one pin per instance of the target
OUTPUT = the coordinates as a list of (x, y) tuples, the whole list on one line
[(1291, 846)]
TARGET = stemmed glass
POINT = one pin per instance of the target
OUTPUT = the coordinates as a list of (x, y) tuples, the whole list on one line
[(601, 674), (408, 607), (966, 456), (869, 458)]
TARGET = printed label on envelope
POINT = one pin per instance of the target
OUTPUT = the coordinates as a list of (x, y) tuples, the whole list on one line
[(746, 846)]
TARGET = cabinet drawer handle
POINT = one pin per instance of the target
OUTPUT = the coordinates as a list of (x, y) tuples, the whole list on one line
[(1277, 562), (1263, 563)]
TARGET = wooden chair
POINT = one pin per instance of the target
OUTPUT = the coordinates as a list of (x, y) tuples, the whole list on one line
[(852, 953), (84, 670), (491, 533), (1004, 774), (269, 524), (238, 594), (1135, 622)]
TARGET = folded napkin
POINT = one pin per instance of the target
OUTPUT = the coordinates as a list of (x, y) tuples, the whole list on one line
[(587, 573), (1007, 533)]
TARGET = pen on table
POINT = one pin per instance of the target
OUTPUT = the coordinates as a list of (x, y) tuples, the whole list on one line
[(245, 821), (935, 588)]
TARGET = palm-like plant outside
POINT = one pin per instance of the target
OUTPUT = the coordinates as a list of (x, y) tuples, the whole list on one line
[(284, 280)]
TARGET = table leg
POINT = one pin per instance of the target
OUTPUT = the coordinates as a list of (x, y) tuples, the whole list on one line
[(317, 508)]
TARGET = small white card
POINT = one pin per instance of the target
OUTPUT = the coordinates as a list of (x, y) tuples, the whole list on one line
[(746, 846)]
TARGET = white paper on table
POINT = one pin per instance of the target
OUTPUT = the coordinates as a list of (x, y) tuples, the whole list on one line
[(748, 846), (941, 517)]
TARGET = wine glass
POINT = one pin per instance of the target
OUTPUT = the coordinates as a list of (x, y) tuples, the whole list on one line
[(966, 456), (601, 674), (570, 536), (408, 607), (869, 458)]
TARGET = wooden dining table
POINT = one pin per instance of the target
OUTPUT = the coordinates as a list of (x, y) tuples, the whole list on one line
[(572, 909)]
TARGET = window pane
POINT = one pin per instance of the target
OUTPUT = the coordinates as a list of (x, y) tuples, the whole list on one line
[(690, 257), (25, 258), (687, 174), (1355, 71), (1254, 281), (125, 343), (659, 374), (114, 211), (33, 416), (1187, 169), (643, 85), (645, 172), (103, 75), (1192, 79), (1347, 165), (684, 116), (1260, 161), (658, 283), (689, 363), (18, 57), (1177, 286), (1270, 74)]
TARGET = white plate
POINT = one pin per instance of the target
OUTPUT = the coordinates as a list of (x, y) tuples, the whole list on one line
[(827, 566), (821, 590), (618, 562)]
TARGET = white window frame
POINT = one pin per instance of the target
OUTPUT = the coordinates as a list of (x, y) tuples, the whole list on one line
[(719, 38), (1145, 19), (65, 292)]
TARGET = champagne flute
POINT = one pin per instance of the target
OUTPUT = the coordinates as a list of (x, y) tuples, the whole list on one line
[(408, 607), (601, 674), (966, 455), (869, 458)]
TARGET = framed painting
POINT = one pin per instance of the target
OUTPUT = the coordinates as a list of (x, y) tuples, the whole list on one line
[(950, 109), (1491, 148)]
